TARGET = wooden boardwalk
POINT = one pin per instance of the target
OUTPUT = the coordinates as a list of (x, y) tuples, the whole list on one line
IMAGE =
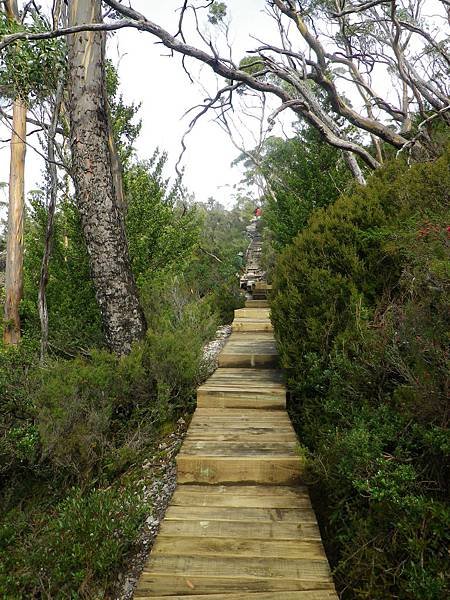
[(240, 524)]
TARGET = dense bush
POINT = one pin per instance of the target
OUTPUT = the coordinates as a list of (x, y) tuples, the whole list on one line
[(360, 315), (73, 549), (72, 430)]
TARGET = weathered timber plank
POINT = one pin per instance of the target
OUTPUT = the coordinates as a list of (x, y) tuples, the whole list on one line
[(256, 359), (283, 491), (248, 413), (257, 515), (256, 304), (231, 399), (255, 349), (306, 595), (238, 449), (242, 435), (261, 568), (240, 529), (257, 469), (151, 584), (267, 377), (186, 498), (255, 313), (224, 547), (240, 324)]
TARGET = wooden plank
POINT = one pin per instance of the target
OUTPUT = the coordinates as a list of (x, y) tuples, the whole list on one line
[(256, 304), (187, 499), (257, 515), (255, 349), (243, 388), (230, 399), (258, 359), (223, 469), (283, 491), (248, 414), (265, 530), (224, 547), (245, 433), (163, 584), (240, 435), (239, 449), (262, 285), (240, 324), (242, 377), (278, 595), (259, 568), (255, 313)]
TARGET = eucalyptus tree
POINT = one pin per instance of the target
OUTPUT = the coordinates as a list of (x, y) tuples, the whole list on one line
[(93, 174), (16, 205)]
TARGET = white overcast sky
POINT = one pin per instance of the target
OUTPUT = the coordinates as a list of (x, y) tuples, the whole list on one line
[(157, 81)]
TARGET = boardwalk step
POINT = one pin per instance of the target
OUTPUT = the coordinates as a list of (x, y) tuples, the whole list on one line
[(243, 388), (301, 570), (283, 468), (184, 527), (308, 595), (249, 350), (251, 324), (252, 313), (256, 304), (187, 586)]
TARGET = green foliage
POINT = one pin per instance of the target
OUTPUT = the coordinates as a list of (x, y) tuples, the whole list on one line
[(125, 128), (180, 323), (214, 271), (74, 550), (359, 308), (30, 70), (19, 445), (85, 423), (305, 174), (74, 316), (162, 232), (80, 404), (251, 65), (217, 12)]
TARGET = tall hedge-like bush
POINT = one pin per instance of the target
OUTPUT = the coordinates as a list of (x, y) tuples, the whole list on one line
[(359, 309)]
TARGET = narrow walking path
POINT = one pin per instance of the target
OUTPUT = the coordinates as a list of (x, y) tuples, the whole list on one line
[(240, 524)]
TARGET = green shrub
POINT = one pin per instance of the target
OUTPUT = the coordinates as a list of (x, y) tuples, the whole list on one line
[(359, 308), (19, 441), (73, 550), (86, 409)]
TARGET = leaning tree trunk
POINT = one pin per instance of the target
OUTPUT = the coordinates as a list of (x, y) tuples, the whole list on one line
[(14, 243), (101, 218)]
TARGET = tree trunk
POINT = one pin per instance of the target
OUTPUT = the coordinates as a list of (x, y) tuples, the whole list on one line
[(101, 217), (14, 244), (52, 199)]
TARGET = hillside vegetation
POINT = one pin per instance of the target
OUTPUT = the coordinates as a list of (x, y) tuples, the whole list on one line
[(360, 308)]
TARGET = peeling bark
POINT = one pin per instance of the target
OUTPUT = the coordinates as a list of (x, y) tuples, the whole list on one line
[(14, 247), (101, 217)]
